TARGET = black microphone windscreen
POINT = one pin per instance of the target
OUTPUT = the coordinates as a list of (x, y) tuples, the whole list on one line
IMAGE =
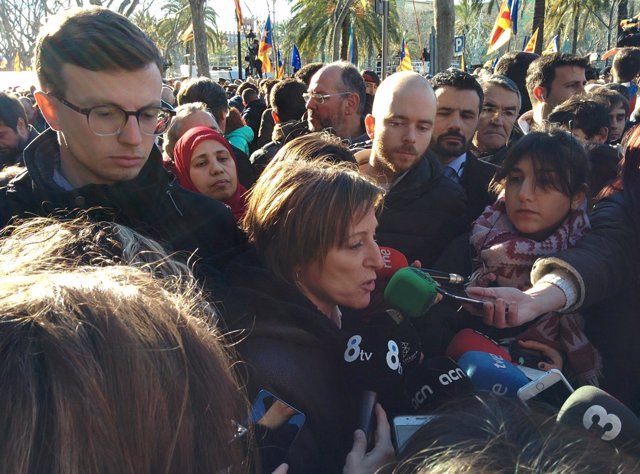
[(598, 412), (436, 381)]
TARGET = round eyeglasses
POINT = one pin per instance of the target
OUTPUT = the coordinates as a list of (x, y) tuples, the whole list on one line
[(109, 120)]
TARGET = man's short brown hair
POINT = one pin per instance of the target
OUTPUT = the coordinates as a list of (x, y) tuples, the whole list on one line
[(95, 38)]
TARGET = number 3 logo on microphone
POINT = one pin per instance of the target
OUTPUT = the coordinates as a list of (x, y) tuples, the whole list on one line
[(604, 419)]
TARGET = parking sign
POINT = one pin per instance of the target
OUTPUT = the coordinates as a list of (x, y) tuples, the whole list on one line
[(458, 45)]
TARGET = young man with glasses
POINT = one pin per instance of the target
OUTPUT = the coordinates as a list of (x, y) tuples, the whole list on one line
[(335, 100), (101, 84)]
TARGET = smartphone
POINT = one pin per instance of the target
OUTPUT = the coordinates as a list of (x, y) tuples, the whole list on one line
[(530, 372), (552, 388), (405, 426), (276, 426)]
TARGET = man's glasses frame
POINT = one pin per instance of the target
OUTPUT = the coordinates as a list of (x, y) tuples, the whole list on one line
[(160, 128), (322, 98)]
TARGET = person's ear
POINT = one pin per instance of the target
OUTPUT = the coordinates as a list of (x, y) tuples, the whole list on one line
[(275, 117), (600, 137), (369, 125), (540, 93), (49, 108), (352, 104), (22, 129)]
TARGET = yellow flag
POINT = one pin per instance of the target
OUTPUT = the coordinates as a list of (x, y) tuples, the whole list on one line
[(501, 29), (16, 63), (405, 59), (187, 35), (531, 45)]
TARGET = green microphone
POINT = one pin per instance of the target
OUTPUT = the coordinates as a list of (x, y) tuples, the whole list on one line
[(411, 291)]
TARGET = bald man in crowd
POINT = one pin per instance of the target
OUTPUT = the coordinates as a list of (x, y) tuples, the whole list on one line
[(424, 210)]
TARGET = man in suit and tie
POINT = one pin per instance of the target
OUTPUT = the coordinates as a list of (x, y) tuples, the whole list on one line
[(459, 99)]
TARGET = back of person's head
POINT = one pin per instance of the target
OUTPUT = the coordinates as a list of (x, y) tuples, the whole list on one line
[(286, 99), (97, 39), (458, 80), (267, 88), (316, 146), (619, 88), (299, 209), (203, 89), (109, 368), (234, 120), (514, 65), (183, 114), (555, 154), (244, 86), (626, 64), (499, 435), (249, 95), (11, 110), (542, 71), (307, 71), (581, 112)]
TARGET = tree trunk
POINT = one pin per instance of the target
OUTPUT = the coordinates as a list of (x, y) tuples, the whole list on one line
[(576, 17), (344, 46), (538, 23), (200, 37), (341, 13), (623, 12), (444, 18)]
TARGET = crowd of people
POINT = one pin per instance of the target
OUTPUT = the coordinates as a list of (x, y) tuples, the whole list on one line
[(210, 277)]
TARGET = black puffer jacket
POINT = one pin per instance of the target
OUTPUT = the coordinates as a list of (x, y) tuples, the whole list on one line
[(423, 213), (295, 352), (605, 262), (153, 203)]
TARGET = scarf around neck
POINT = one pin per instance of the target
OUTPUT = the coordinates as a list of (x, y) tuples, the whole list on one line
[(505, 252)]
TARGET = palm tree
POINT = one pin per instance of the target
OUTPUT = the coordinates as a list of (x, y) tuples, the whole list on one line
[(167, 32), (313, 34)]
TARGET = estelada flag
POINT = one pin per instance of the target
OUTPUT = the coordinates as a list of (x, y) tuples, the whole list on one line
[(280, 71), (266, 43), (552, 47), (501, 32), (405, 59), (238, 14), (531, 45)]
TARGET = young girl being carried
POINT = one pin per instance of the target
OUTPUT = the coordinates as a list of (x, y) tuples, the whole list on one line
[(541, 210)]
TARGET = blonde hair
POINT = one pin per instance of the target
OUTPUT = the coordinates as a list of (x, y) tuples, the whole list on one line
[(107, 367), (298, 210)]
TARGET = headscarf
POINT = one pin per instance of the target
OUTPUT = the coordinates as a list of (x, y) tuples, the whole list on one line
[(183, 152)]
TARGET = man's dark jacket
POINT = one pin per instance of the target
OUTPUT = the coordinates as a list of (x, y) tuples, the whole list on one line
[(475, 180), (153, 203), (423, 212)]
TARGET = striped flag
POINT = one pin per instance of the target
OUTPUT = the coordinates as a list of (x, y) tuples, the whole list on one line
[(266, 43), (552, 47), (280, 72), (238, 14), (405, 59), (531, 45), (502, 28), (513, 12)]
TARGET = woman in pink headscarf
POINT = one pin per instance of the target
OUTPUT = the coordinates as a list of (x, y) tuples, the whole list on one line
[(204, 163)]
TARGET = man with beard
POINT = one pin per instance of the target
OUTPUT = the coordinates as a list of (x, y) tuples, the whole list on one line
[(424, 210), (459, 102), (335, 100), (15, 131)]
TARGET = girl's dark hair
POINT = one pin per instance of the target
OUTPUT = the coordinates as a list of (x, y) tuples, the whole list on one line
[(556, 155)]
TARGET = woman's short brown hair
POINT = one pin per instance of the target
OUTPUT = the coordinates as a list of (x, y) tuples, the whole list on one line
[(298, 210)]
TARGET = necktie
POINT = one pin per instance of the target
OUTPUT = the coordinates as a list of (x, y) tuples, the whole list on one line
[(450, 173)]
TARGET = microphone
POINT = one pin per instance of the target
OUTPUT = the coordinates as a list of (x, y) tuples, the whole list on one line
[(471, 340), (434, 382), (411, 291), (394, 260), (393, 324), (491, 373), (372, 364), (601, 414)]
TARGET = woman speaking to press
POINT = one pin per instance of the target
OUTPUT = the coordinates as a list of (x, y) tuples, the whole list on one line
[(312, 227)]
